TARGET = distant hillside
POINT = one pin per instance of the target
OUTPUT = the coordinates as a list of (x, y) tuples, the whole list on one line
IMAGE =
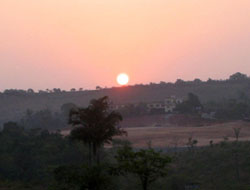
[(13, 103)]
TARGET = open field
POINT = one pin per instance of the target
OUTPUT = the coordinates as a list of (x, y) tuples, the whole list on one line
[(178, 136)]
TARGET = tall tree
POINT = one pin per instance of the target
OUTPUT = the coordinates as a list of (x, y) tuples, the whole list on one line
[(147, 164), (95, 125)]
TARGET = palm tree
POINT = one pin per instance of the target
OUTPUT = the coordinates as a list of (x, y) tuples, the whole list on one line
[(95, 125)]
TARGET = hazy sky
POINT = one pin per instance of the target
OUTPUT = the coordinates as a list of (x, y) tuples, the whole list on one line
[(84, 43)]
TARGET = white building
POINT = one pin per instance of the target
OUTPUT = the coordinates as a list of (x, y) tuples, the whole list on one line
[(168, 105)]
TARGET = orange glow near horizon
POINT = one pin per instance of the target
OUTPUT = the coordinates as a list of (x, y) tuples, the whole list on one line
[(70, 44)]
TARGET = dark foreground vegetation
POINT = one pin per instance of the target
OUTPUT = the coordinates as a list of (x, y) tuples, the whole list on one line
[(37, 159)]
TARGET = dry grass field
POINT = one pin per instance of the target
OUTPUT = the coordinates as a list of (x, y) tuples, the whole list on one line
[(178, 136)]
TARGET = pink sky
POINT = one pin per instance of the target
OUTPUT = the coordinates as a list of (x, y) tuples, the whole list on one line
[(85, 43)]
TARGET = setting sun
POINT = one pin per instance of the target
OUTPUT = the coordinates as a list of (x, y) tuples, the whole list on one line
[(122, 79)]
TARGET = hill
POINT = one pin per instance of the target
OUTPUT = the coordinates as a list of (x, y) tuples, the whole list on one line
[(14, 103)]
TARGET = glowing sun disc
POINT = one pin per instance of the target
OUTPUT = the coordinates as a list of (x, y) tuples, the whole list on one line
[(122, 79)]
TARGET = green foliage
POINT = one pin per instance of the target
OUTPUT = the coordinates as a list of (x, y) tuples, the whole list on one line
[(147, 164)]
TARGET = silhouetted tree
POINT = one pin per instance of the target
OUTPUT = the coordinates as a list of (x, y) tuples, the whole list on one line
[(179, 82), (191, 105), (148, 164), (98, 88), (95, 125), (238, 76), (57, 90), (197, 81), (30, 91)]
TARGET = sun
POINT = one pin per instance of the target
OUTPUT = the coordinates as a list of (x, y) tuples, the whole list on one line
[(122, 79)]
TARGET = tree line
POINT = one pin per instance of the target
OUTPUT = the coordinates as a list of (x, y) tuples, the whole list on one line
[(236, 77)]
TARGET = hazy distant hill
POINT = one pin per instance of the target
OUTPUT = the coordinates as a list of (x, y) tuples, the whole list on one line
[(14, 104)]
